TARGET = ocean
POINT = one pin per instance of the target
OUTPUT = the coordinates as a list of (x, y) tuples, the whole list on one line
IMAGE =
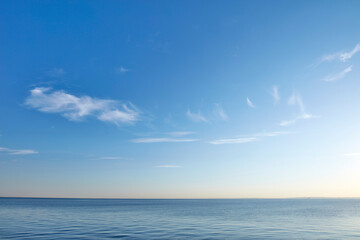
[(41, 218)]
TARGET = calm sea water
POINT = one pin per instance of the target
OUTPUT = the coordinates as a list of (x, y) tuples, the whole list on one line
[(22, 218)]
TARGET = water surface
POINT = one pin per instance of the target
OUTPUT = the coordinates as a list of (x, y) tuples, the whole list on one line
[(30, 218)]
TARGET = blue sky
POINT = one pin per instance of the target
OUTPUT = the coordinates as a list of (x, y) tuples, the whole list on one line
[(179, 99)]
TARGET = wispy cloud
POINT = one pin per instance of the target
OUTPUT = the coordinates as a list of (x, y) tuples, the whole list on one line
[(56, 72), (338, 76), (180, 133), (125, 115), (163, 140), (275, 94), (303, 116), (296, 100), (219, 111), (285, 123), (17, 151), (341, 56), (272, 134), (77, 108), (168, 166), (249, 103), (121, 70), (234, 140), (249, 137), (196, 117)]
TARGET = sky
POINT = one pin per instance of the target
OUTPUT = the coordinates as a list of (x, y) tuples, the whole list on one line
[(179, 99)]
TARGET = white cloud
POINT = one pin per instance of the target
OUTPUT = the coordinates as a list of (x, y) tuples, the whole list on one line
[(219, 111), (249, 103), (234, 140), (196, 117), (122, 70), (56, 72), (77, 108), (296, 99), (17, 151), (338, 76), (125, 115), (168, 166), (162, 140), (275, 94), (341, 56)]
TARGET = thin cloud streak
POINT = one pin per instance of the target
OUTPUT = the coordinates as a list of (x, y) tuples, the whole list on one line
[(162, 140), (249, 138), (219, 111), (196, 117), (76, 108), (286, 123), (296, 100), (303, 116), (18, 151), (275, 94), (338, 76), (341, 56), (273, 134), (234, 140), (250, 103), (180, 133)]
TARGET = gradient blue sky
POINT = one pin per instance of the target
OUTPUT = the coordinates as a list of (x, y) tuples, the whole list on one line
[(179, 99)]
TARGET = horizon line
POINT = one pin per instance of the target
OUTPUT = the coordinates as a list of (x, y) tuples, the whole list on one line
[(244, 198)]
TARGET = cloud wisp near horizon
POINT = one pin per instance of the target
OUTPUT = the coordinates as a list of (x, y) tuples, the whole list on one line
[(163, 140), (18, 151), (237, 139), (248, 138)]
